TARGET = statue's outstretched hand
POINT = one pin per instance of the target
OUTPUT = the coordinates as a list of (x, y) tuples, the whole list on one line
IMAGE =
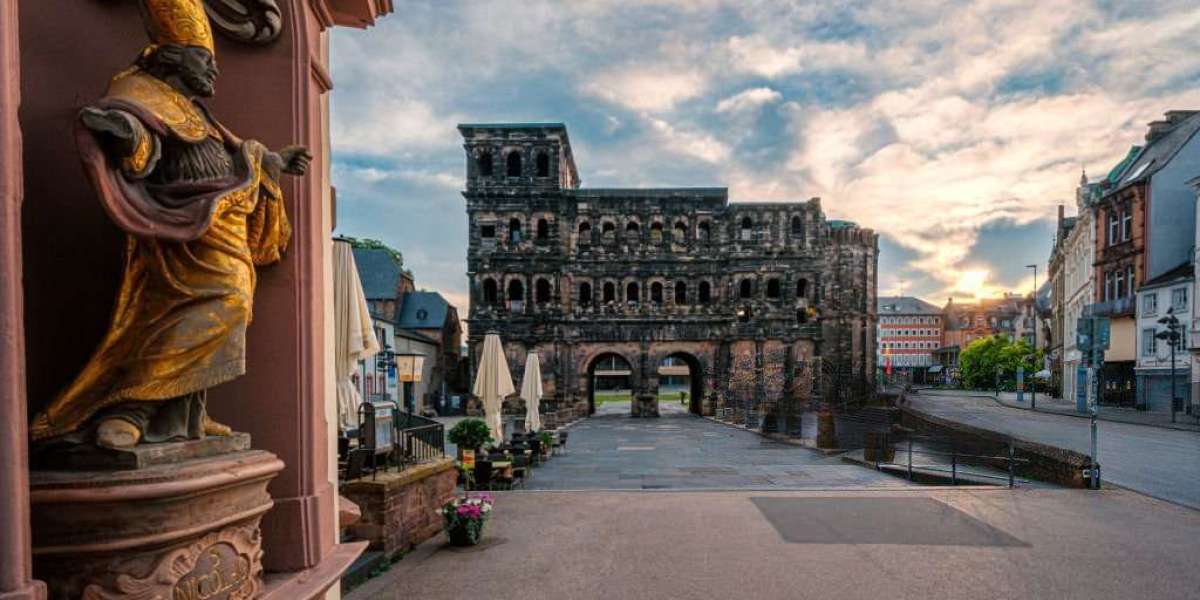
[(295, 159), (109, 122)]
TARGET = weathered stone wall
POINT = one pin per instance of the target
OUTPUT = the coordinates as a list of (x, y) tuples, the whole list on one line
[(734, 290), (399, 508)]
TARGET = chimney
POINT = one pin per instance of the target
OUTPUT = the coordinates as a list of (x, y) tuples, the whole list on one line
[(1157, 130), (1060, 216), (1175, 117)]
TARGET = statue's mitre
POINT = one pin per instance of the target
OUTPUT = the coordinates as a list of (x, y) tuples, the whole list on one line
[(181, 22)]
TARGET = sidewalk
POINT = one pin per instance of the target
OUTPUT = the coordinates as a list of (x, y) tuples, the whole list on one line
[(1057, 406)]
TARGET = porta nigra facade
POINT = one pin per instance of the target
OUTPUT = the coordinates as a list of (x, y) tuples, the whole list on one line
[(742, 294)]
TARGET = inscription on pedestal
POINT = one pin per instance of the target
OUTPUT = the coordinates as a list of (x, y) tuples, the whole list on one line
[(219, 573)]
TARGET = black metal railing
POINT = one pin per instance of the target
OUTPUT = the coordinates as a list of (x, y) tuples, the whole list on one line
[(421, 438), (921, 455)]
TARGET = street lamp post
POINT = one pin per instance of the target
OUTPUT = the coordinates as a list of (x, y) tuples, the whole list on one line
[(1033, 304), (1171, 335)]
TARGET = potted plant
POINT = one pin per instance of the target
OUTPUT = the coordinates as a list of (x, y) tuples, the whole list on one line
[(470, 434), (463, 518), (547, 440)]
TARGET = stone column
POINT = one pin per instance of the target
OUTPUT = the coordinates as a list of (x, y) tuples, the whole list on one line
[(16, 573)]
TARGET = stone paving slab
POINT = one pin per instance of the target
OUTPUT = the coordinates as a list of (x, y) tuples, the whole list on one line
[(1021, 543), (681, 451)]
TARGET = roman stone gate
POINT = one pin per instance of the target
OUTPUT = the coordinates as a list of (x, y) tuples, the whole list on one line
[(644, 285)]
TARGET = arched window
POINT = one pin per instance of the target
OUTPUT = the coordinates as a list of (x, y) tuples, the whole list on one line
[(680, 231), (516, 295), (543, 164), (797, 227), (585, 294), (490, 292), (631, 292), (802, 288), (514, 164), (745, 289), (705, 233), (656, 292), (585, 228), (542, 291), (484, 162), (773, 288), (704, 294), (514, 230), (656, 232), (747, 228), (680, 292), (543, 229), (631, 227), (610, 292)]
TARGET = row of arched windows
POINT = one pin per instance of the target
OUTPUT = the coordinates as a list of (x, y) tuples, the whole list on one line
[(513, 163), (543, 291), (516, 230)]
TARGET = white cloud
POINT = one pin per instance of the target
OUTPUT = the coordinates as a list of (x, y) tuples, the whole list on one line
[(646, 89), (691, 143), (755, 54), (748, 99)]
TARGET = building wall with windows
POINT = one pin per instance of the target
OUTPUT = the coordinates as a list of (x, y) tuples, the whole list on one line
[(574, 273), (1158, 300), (909, 331), (1078, 283)]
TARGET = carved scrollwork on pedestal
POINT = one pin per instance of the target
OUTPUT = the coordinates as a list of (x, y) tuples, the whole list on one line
[(250, 21), (225, 564)]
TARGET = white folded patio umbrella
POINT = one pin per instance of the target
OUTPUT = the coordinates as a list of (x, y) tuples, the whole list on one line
[(493, 383), (354, 336), (531, 391)]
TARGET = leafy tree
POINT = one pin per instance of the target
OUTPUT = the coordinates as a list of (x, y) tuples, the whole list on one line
[(984, 358)]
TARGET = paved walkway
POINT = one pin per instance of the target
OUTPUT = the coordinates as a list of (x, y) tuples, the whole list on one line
[(915, 543), (611, 451), (1164, 463)]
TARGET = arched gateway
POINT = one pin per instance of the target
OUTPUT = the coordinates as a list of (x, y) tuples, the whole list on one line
[(735, 294)]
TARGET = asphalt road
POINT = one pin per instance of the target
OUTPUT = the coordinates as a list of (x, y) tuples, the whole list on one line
[(913, 543), (1163, 463)]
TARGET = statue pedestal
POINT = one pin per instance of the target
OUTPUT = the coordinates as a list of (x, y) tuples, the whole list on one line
[(644, 405), (184, 527)]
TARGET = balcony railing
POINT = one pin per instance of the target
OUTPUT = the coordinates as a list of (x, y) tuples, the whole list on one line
[(1112, 308)]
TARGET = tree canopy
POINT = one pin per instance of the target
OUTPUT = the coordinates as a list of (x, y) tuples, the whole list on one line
[(985, 357)]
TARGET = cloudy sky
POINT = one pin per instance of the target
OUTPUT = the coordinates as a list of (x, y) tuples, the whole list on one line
[(952, 128)]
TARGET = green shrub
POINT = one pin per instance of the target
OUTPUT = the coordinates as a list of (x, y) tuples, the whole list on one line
[(472, 434)]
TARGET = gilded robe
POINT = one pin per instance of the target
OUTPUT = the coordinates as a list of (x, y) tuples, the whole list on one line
[(201, 208)]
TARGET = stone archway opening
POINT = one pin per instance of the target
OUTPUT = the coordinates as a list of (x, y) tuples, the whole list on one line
[(680, 383), (609, 381)]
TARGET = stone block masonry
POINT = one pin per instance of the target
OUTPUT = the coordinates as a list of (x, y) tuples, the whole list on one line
[(399, 508), (645, 284)]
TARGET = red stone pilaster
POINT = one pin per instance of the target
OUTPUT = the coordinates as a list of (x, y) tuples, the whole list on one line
[(16, 580)]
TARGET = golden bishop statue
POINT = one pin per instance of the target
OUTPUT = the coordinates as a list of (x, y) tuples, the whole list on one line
[(202, 209)]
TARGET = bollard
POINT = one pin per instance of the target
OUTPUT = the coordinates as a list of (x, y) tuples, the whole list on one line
[(1010, 465), (910, 459)]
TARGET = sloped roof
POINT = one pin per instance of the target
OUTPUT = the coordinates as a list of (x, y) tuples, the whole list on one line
[(1183, 271), (379, 272), (1114, 175), (905, 305), (1158, 153), (423, 310)]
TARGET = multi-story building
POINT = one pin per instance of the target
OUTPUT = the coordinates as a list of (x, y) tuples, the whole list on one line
[(1145, 227), (1193, 322), (910, 330), (1166, 296), (1077, 252), (638, 279)]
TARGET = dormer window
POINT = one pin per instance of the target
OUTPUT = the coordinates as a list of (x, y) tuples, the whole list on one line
[(543, 164), (514, 164), (484, 163)]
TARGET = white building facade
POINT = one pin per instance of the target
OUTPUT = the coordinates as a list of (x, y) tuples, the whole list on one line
[(1079, 251), (1161, 298)]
